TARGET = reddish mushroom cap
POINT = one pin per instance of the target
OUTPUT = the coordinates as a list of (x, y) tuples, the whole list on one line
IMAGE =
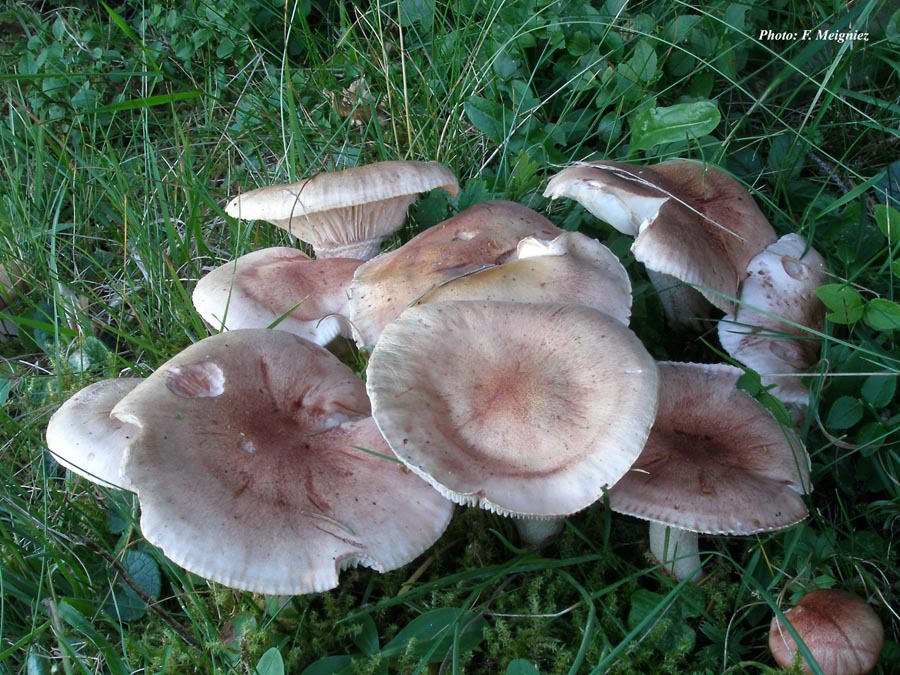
[(842, 632), (479, 237), (252, 467), (522, 408), (280, 286)]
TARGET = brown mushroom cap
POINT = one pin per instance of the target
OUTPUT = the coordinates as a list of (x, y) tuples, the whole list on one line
[(716, 460), (347, 213), (83, 437), (781, 282), (704, 234), (484, 235), (572, 268), (522, 408), (842, 632), (249, 469), (306, 297)]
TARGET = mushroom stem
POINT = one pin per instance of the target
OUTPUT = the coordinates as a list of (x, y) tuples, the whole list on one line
[(677, 549), (538, 531)]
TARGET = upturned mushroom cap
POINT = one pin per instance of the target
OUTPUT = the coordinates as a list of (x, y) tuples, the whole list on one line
[(521, 408), (704, 233), (778, 303), (842, 632), (83, 437), (345, 214), (484, 235), (716, 460), (572, 268), (306, 297), (249, 470)]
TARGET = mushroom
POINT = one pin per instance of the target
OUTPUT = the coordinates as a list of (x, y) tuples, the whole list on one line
[(480, 237), (345, 214), (692, 221), (83, 437), (279, 287), (258, 466), (524, 409), (716, 462), (572, 268), (771, 329), (841, 631)]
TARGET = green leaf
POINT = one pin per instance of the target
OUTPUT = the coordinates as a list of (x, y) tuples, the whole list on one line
[(125, 603), (416, 11), (653, 126), (888, 220), (431, 634), (883, 315), (367, 637), (489, 117), (845, 305), (521, 667), (270, 663), (845, 412), (331, 665), (878, 390)]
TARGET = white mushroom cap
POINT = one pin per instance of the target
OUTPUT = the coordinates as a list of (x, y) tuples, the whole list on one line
[(279, 286), (250, 472), (572, 268), (521, 408), (83, 437), (482, 236), (842, 632), (704, 233), (345, 214), (781, 284)]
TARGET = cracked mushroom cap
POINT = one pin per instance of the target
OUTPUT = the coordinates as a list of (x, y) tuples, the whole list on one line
[(716, 460), (704, 233), (572, 268), (345, 214), (781, 282), (280, 287), (252, 467), (480, 237), (520, 408), (842, 632), (83, 437)]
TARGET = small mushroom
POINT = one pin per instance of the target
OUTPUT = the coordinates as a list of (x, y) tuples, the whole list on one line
[(257, 466), (524, 409), (345, 214), (83, 437), (842, 632), (771, 329), (480, 237), (279, 287), (716, 462)]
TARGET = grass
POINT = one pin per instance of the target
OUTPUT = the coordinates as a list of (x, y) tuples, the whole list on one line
[(124, 132)]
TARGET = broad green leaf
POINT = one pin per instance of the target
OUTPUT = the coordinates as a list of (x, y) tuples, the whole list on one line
[(331, 665), (521, 667), (883, 315), (653, 126), (641, 66), (888, 220), (431, 634), (416, 11), (489, 117), (878, 390), (845, 412), (845, 305), (124, 602), (367, 637), (270, 663)]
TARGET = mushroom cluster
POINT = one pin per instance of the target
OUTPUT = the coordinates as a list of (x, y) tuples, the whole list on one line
[(503, 374)]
